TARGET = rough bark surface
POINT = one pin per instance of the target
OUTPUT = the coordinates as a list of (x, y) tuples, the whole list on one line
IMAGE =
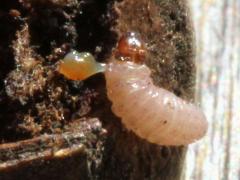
[(54, 128)]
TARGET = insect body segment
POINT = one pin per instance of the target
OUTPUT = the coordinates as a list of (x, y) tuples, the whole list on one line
[(79, 66), (153, 113)]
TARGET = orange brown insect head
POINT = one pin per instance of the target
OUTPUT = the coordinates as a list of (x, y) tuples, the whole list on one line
[(131, 47)]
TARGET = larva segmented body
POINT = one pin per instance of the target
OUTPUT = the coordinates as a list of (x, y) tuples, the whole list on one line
[(153, 113)]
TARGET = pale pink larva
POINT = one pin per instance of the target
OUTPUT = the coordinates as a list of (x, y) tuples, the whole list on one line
[(151, 112)]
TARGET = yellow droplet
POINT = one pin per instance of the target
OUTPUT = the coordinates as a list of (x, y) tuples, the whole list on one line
[(79, 66)]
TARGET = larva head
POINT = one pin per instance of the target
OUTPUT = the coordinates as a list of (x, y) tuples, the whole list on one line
[(131, 47), (79, 66)]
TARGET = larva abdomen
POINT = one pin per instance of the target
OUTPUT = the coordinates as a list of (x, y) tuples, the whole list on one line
[(153, 113)]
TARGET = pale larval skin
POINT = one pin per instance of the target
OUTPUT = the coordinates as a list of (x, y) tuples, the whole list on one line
[(151, 112)]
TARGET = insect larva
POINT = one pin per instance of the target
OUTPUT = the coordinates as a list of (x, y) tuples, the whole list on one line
[(79, 66), (153, 113)]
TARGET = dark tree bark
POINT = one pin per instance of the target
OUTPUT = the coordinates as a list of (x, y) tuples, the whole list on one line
[(54, 128)]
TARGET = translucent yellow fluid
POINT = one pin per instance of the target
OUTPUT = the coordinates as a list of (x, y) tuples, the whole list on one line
[(79, 66)]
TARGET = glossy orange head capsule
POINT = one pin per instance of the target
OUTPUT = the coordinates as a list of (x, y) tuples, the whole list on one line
[(131, 47), (79, 66)]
